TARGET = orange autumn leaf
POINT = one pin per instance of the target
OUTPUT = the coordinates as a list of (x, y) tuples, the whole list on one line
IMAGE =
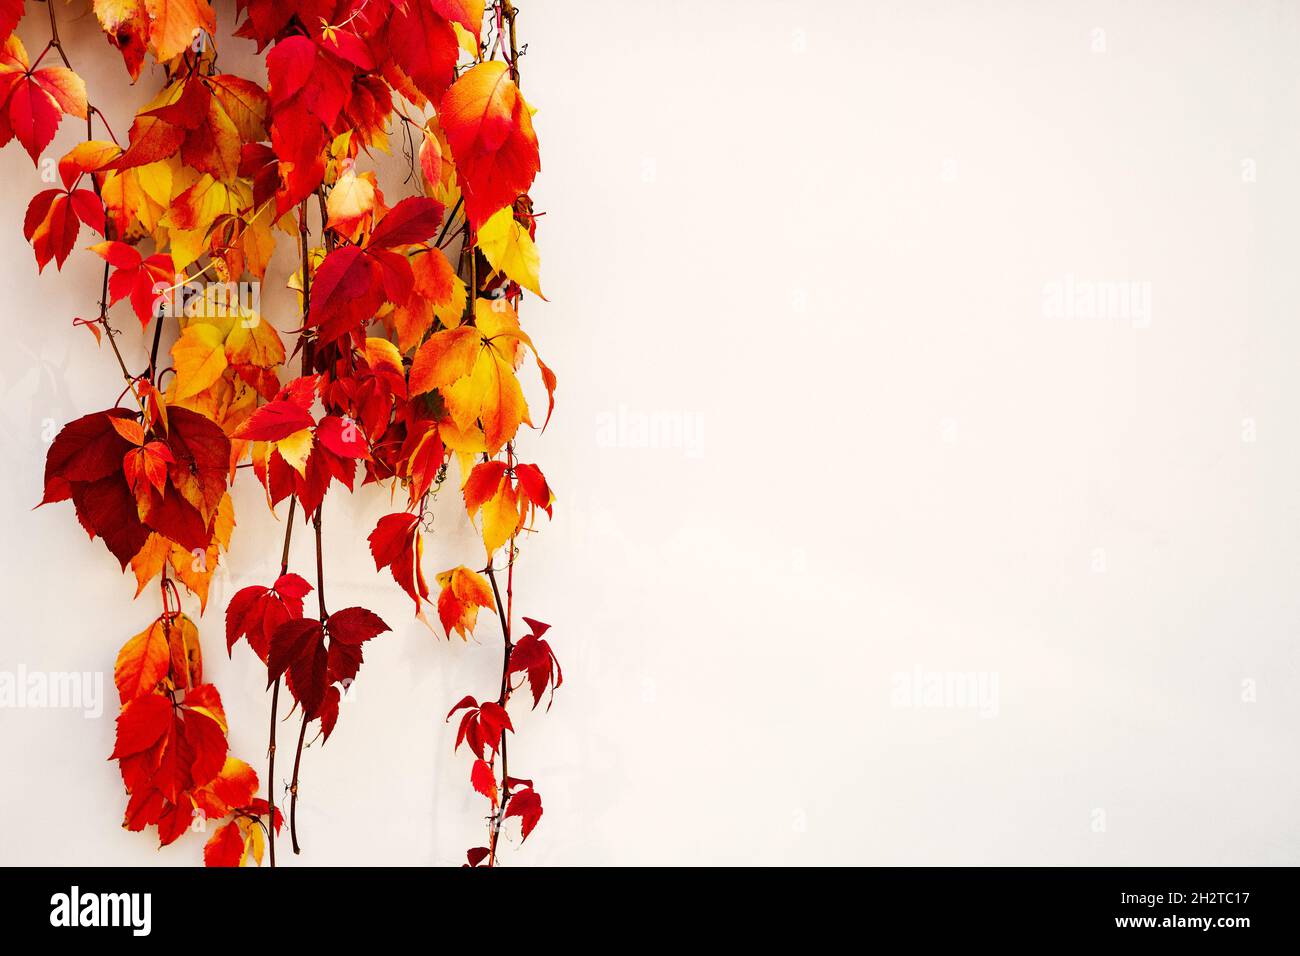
[(175, 23), (126, 24), (473, 368), (142, 662), (447, 357), (463, 593), (186, 654)]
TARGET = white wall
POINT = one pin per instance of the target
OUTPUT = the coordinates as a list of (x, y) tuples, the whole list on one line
[(821, 234)]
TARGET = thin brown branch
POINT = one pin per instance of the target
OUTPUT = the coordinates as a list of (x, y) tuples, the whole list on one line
[(498, 818), (275, 692), (293, 787)]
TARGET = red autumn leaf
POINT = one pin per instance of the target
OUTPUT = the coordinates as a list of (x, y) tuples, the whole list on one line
[(174, 820), (483, 483), (85, 450), (273, 421), (354, 625), (298, 648), (395, 544), (342, 437), (11, 11), (54, 219), (303, 77), (33, 101), (411, 221), (468, 13), (329, 712), (490, 131), (107, 510), (481, 726), (202, 459), (483, 780), (526, 805), (255, 612), (352, 282), (51, 226), (534, 485), (533, 657), (422, 453), (166, 752), (233, 789), (225, 848), (142, 280), (89, 209), (424, 45), (345, 292), (258, 162), (173, 517), (84, 463), (141, 724)]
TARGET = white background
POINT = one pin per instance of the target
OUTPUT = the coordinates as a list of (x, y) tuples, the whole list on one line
[(818, 235)]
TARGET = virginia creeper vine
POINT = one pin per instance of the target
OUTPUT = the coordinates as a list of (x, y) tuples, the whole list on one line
[(410, 365)]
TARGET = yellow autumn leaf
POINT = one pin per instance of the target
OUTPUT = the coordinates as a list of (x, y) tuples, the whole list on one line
[(254, 841), (254, 341), (465, 40), (466, 443), (381, 352), (193, 209), (500, 517), (508, 248), (295, 449), (199, 357), (351, 202)]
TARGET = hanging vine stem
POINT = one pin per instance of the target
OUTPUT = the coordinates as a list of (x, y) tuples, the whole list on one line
[(275, 694), (498, 818), (505, 10), (308, 343), (56, 44), (307, 355), (499, 815), (306, 718)]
